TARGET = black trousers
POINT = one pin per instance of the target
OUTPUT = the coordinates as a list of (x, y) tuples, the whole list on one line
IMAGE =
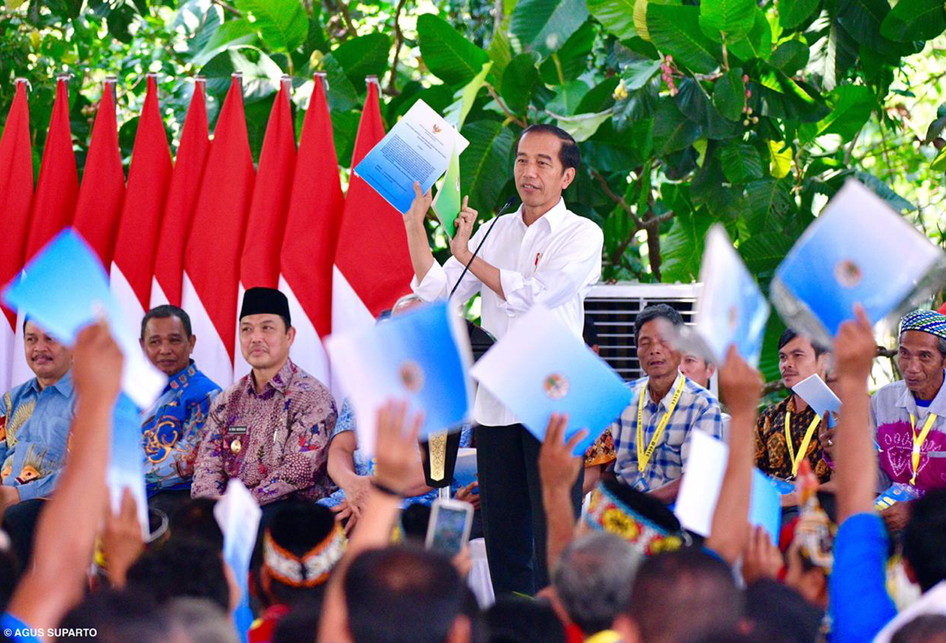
[(507, 459)]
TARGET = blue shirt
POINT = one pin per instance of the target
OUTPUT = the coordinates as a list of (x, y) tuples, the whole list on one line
[(172, 430), (34, 436), (696, 409)]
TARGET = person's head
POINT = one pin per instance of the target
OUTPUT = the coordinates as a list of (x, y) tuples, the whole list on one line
[(653, 331), (301, 546), (777, 613), (167, 338), (198, 620), (921, 355), (547, 158), (117, 616), (194, 520), (923, 548), (798, 358), (517, 619), (925, 628), (593, 579), (47, 358), (266, 331), (404, 594), (405, 304), (679, 595), (181, 567), (697, 369)]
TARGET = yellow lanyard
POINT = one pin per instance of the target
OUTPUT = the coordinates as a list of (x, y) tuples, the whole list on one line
[(918, 440), (803, 449), (643, 456)]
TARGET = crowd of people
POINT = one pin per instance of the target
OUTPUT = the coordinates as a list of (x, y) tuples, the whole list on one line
[(577, 548)]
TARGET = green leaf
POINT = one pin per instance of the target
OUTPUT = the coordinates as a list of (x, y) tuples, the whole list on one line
[(636, 74), (780, 158), (363, 56), (768, 202), (448, 55), (637, 105), (545, 25), (682, 248), (519, 78), (230, 33), (672, 130), (884, 191), (583, 126), (617, 16), (695, 104), (853, 105), (485, 165), (755, 44), (571, 61), (729, 96), (600, 97), (567, 99), (939, 163), (282, 23), (465, 97), (260, 74), (344, 95), (741, 163), (915, 20), (795, 13), (790, 57), (734, 18), (676, 31)]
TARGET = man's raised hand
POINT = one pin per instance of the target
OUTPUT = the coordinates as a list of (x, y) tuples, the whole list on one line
[(416, 214), (460, 244)]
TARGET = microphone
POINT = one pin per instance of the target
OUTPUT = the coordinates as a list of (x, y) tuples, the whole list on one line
[(511, 201)]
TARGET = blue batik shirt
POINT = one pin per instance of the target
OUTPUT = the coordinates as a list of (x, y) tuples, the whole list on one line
[(34, 435), (172, 430), (697, 409)]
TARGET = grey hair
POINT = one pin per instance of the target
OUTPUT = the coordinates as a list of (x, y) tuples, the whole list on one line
[(593, 579), (199, 620)]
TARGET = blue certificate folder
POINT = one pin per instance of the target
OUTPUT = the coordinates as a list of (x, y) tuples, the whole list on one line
[(731, 309), (418, 148), (65, 288), (540, 367), (421, 357), (858, 250), (765, 504)]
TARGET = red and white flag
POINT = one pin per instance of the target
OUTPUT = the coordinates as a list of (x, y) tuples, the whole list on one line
[(259, 265), (308, 250), (181, 201), (140, 224), (54, 202), (372, 262), (212, 253), (102, 193), (16, 195)]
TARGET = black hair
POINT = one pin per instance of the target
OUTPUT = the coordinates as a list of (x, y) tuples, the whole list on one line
[(194, 520), (789, 335), (402, 594), (181, 567), (163, 312), (523, 620), (925, 628), (682, 594), (116, 616), (569, 154), (654, 311), (923, 538)]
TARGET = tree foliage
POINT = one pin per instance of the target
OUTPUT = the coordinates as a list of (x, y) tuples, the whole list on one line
[(746, 112)]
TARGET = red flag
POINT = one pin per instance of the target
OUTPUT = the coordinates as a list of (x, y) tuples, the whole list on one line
[(55, 200), (308, 251), (374, 266), (16, 195), (16, 187), (181, 200), (212, 255), (103, 181), (148, 180), (267, 218)]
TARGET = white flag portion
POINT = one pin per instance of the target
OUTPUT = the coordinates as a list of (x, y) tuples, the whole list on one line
[(312, 226), (212, 255)]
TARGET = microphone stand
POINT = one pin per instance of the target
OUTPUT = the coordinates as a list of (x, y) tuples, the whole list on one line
[(512, 200)]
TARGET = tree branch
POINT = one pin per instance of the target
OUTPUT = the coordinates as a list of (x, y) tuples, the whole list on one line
[(398, 42), (226, 7), (499, 101), (618, 200), (342, 9)]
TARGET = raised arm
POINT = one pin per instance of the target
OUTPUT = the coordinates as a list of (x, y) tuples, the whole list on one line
[(740, 387), (558, 470), (66, 532)]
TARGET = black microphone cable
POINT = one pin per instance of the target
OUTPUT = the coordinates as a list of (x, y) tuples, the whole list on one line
[(503, 210)]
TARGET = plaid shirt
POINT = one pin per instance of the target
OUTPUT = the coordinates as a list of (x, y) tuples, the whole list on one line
[(697, 409)]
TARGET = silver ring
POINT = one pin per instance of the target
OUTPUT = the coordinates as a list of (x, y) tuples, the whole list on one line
[(830, 442)]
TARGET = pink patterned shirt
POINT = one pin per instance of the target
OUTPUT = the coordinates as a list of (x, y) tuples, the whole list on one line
[(275, 442)]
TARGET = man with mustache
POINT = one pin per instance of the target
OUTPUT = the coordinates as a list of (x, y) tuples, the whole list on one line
[(652, 436)]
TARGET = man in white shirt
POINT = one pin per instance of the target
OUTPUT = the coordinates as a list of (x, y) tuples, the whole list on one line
[(542, 253)]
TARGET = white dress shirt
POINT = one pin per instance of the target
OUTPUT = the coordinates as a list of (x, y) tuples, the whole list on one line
[(554, 262)]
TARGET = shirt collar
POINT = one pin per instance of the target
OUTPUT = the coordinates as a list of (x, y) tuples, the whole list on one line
[(553, 218), (937, 406), (63, 386), (665, 400), (280, 381), (179, 379)]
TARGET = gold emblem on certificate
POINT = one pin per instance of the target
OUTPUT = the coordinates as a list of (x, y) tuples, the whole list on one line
[(412, 376), (848, 273)]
